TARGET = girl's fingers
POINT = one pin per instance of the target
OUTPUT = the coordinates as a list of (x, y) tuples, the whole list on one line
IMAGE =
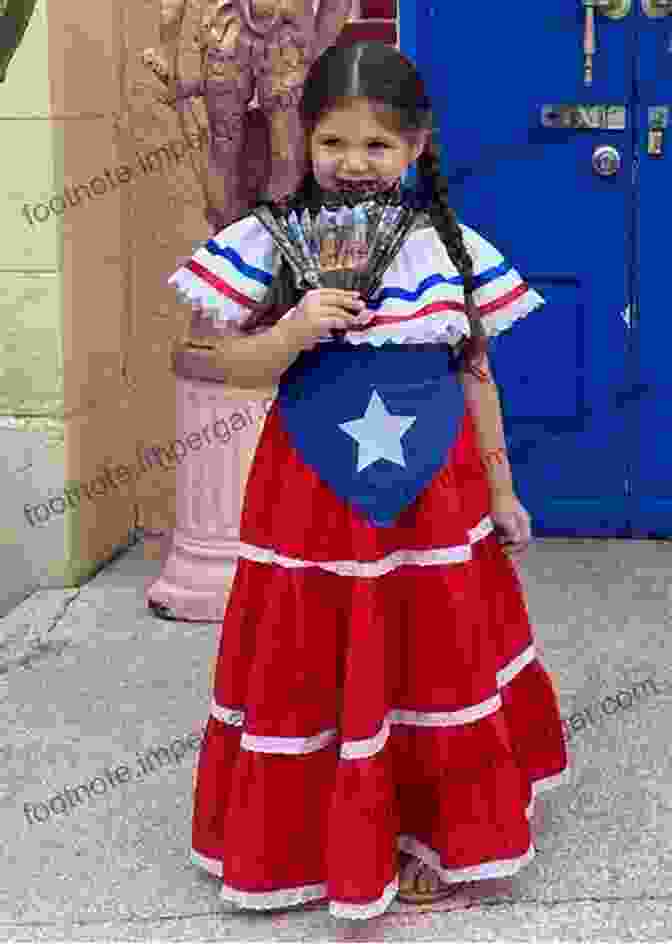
[(334, 324), (338, 293), (344, 304), (346, 316), (341, 298)]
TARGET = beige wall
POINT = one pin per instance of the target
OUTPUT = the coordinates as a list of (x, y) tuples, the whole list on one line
[(87, 316), (62, 294)]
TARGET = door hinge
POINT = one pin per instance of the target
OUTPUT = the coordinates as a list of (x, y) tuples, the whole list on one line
[(627, 486)]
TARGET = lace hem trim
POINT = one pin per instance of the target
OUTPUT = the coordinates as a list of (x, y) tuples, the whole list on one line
[(499, 868), (439, 327), (426, 329), (368, 747), (500, 321), (548, 783), (208, 302), (285, 898), (351, 568)]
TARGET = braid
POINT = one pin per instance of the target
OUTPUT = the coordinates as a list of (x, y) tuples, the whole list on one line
[(445, 222)]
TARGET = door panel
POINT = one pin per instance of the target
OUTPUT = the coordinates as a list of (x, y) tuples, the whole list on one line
[(651, 418), (565, 371)]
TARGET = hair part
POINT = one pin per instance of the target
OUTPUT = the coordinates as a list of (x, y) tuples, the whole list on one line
[(379, 73)]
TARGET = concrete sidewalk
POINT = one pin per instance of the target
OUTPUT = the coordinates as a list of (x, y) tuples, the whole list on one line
[(93, 683)]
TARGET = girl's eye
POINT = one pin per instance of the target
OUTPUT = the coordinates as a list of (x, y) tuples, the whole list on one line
[(330, 142)]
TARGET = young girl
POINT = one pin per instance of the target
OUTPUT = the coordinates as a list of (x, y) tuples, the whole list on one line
[(380, 722)]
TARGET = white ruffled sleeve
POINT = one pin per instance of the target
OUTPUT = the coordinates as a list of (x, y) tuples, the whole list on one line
[(229, 273), (501, 294)]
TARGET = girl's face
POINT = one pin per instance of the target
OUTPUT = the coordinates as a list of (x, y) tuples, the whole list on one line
[(351, 148)]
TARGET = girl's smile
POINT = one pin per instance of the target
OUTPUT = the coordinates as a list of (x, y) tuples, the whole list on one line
[(356, 146)]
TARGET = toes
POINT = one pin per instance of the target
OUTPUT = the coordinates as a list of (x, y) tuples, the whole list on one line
[(408, 877), (427, 880), (417, 877)]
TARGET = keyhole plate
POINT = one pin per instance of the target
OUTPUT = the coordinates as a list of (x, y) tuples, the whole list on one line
[(606, 161)]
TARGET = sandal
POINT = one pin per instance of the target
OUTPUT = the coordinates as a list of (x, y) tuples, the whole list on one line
[(412, 895)]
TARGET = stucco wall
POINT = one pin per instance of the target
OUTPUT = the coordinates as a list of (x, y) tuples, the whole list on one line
[(95, 215)]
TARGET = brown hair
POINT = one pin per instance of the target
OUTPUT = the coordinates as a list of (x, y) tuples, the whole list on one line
[(380, 73)]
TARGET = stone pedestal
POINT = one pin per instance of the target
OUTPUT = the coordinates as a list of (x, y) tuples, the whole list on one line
[(220, 427)]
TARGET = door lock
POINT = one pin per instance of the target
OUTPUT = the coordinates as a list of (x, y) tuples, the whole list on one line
[(606, 161), (657, 8), (615, 10), (658, 121)]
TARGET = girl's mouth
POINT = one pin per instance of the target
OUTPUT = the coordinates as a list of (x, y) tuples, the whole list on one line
[(357, 184)]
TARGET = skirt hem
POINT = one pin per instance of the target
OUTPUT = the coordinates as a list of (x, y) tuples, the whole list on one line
[(287, 898)]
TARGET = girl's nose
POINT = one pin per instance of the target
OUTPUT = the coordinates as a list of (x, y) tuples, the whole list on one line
[(354, 165)]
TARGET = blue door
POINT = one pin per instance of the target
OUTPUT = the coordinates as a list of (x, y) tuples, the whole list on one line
[(651, 423), (585, 381)]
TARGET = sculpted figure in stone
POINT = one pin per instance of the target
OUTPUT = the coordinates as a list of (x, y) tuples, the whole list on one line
[(246, 47)]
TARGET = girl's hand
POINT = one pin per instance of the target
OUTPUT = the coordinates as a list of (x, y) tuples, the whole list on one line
[(321, 311), (512, 522)]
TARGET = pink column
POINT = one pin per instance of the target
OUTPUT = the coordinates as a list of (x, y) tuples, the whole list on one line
[(197, 573)]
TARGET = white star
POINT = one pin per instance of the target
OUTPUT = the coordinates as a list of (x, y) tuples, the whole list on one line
[(378, 434)]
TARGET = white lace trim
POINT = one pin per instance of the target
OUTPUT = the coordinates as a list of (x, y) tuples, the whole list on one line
[(437, 328), (284, 898), (248, 259), (206, 300), (229, 716), (548, 783), (509, 672), (352, 568), (213, 866), (499, 868), (440, 328), (499, 321), (368, 747), (287, 897), (445, 327), (244, 266), (280, 745), (339, 909)]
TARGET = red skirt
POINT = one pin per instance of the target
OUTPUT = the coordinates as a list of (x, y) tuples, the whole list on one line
[(377, 689)]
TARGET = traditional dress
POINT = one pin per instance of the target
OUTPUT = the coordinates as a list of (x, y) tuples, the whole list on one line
[(377, 686)]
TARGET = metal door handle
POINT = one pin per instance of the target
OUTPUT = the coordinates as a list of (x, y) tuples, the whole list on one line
[(606, 161), (615, 10)]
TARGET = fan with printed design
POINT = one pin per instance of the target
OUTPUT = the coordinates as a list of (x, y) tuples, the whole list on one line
[(346, 244)]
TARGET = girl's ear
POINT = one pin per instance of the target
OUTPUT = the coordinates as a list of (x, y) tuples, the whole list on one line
[(419, 144)]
